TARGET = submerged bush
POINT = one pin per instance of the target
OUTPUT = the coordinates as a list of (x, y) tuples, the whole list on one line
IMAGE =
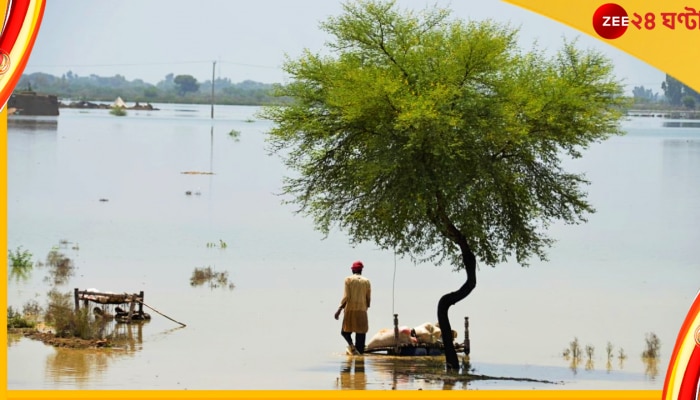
[(20, 262), (118, 111), (66, 321), (17, 320), (575, 349), (20, 258), (200, 276), (60, 267), (32, 309), (653, 346)]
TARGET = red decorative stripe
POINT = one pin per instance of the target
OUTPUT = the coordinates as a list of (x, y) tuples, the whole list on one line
[(689, 385), (687, 329), (15, 20)]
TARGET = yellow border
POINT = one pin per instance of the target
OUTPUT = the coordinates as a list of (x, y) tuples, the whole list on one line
[(3, 281), (416, 394)]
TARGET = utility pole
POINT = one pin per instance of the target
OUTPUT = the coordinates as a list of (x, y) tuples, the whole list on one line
[(213, 71)]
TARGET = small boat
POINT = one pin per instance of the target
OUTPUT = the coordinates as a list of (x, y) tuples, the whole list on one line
[(123, 315)]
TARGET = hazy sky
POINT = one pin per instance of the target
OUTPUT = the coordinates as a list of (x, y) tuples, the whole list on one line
[(147, 39)]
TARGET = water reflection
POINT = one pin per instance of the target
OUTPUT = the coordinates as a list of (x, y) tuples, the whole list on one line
[(681, 124), (127, 336), (60, 267), (13, 338), (573, 355), (81, 366), (590, 366), (19, 274), (650, 355), (574, 362), (352, 374), (651, 367), (621, 357), (681, 143), (32, 123), (424, 372)]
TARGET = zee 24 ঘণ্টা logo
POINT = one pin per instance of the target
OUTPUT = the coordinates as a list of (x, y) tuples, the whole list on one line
[(611, 20)]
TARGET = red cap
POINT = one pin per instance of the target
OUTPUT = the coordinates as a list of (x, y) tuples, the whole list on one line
[(357, 266)]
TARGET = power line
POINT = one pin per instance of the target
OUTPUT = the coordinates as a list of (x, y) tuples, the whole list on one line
[(249, 65), (117, 65), (148, 64)]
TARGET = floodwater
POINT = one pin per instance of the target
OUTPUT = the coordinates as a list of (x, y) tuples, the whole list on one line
[(110, 193)]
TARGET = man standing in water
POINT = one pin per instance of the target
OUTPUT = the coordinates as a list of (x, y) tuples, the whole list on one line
[(355, 302)]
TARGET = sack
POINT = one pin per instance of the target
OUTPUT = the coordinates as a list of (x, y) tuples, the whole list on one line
[(429, 333), (385, 338)]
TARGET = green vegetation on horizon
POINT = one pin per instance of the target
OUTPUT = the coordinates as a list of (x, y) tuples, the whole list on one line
[(172, 89)]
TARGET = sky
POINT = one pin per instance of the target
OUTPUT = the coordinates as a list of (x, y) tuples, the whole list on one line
[(248, 40)]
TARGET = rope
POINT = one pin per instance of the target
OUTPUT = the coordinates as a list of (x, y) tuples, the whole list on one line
[(393, 285), (158, 312)]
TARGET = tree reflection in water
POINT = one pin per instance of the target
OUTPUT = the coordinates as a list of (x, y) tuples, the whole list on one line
[(412, 372), (80, 366), (651, 367)]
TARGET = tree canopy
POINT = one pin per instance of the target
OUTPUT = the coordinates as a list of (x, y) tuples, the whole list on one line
[(678, 93), (415, 129), (186, 83)]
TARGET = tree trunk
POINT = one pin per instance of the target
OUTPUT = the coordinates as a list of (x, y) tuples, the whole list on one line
[(444, 224), (469, 261)]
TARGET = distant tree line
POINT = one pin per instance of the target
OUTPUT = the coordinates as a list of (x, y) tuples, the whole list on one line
[(675, 94), (186, 89), (172, 89), (679, 94)]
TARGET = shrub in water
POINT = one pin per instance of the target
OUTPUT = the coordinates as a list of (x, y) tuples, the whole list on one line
[(66, 321), (20, 258), (17, 320), (653, 346), (118, 111), (20, 262)]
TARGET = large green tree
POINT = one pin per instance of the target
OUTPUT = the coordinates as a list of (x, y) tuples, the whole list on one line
[(439, 138), (186, 84), (676, 91)]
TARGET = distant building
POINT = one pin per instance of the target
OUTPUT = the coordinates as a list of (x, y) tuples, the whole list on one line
[(31, 103)]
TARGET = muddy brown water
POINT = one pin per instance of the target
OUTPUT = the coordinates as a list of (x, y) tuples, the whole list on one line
[(113, 189)]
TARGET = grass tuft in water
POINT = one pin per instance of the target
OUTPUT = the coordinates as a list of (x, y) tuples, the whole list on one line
[(20, 262), (202, 276), (118, 111), (653, 346), (609, 350), (61, 267), (221, 244), (17, 320)]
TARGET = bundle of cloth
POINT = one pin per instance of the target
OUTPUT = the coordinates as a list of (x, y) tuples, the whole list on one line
[(426, 333)]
